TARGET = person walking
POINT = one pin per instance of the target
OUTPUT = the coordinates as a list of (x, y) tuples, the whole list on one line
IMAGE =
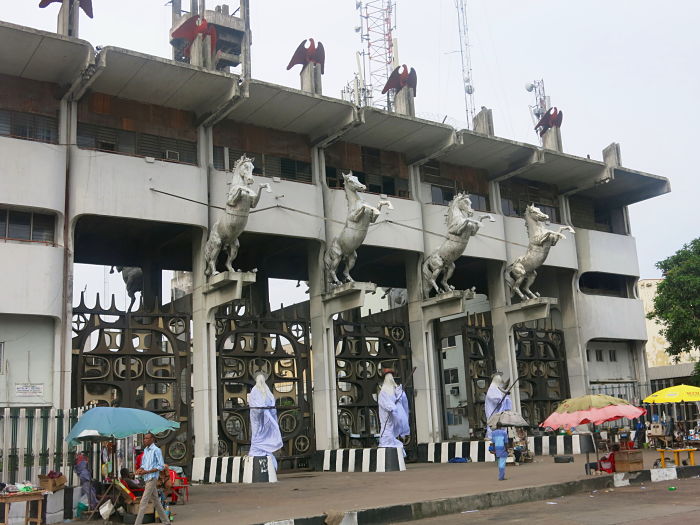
[(499, 437), (151, 465)]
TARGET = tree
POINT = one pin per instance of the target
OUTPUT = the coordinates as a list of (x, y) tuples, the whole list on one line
[(677, 301)]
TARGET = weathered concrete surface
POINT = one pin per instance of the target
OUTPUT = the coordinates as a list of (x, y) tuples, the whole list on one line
[(636, 505), (422, 490)]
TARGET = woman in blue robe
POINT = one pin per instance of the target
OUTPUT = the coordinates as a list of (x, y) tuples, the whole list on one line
[(265, 435)]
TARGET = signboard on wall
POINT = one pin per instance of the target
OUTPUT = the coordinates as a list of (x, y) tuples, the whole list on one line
[(29, 389)]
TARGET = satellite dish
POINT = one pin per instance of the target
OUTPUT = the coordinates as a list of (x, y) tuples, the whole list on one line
[(529, 87), (469, 89)]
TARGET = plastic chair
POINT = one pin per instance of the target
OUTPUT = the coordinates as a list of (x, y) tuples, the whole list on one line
[(180, 483)]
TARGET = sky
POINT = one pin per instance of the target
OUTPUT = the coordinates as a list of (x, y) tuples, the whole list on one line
[(623, 71)]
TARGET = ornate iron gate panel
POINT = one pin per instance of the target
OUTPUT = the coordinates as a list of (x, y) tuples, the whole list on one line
[(479, 363), (136, 360), (544, 381), (280, 347), (362, 349)]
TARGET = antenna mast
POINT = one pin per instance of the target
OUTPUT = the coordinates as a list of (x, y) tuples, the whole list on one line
[(541, 105), (469, 105), (377, 21)]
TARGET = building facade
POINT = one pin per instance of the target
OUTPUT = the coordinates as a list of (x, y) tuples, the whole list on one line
[(120, 158)]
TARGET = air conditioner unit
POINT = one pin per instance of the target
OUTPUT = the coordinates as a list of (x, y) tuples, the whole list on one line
[(171, 155), (454, 391)]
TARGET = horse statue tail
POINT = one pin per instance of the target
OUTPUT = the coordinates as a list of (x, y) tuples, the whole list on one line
[(509, 279)]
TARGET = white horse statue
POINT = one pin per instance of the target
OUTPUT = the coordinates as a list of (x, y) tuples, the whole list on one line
[(226, 230), (460, 227), (521, 274), (344, 246)]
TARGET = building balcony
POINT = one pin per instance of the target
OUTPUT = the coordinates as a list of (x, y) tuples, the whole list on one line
[(31, 278), (603, 317), (406, 235), (291, 208), (33, 174), (488, 243), (606, 252), (563, 255), (117, 185)]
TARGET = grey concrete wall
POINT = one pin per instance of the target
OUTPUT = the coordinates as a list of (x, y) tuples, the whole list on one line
[(606, 252), (562, 255), (29, 347), (602, 317)]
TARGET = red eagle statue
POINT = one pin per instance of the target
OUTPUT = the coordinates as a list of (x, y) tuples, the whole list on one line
[(303, 55), (551, 119), (85, 5), (398, 80), (189, 30)]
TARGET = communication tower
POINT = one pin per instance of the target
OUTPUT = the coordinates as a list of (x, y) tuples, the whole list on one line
[(541, 105), (467, 80)]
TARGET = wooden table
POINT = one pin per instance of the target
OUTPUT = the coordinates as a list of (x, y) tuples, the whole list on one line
[(677, 455), (28, 498)]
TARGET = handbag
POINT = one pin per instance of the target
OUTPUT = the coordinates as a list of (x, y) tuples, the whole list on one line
[(492, 448)]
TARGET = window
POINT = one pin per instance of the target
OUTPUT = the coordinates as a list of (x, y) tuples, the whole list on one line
[(219, 158), (599, 356), (26, 226), (441, 195), (451, 376), (613, 355), (133, 143), (454, 416), (588, 355), (29, 126)]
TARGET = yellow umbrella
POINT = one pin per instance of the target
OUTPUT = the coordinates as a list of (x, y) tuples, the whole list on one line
[(675, 394)]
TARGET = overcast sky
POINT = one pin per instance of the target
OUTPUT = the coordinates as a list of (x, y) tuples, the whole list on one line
[(623, 71)]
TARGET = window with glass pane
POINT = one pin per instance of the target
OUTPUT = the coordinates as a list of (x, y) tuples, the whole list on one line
[(3, 222), (19, 225), (451, 376), (43, 228)]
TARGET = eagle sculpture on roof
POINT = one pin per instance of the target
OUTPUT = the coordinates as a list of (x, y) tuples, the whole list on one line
[(399, 79), (189, 30), (85, 5), (303, 55), (551, 119)]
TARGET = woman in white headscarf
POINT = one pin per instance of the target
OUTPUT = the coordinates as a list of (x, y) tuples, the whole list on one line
[(265, 436), (393, 413), (497, 399)]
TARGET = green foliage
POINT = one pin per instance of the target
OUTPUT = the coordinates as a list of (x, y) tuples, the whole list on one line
[(694, 379), (677, 301)]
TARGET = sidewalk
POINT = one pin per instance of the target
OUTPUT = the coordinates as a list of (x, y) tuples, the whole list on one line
[(315, 493)]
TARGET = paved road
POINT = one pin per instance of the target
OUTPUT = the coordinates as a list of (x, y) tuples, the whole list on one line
[(634, 505)]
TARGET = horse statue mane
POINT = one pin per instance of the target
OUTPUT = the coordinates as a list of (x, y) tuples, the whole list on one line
[(522, 272), (360, 215), (228, 227), (460, 227), (133, 279)]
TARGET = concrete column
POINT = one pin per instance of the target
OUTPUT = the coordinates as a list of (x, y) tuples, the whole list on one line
[(552, 139), (323, 362), (575, 348), (310, 78), (483, 122), (404, 102)]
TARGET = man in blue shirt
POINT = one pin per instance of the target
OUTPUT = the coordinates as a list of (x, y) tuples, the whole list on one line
[(151, 465), (499, 437)]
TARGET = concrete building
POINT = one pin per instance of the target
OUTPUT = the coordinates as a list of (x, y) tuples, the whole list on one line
[(120, 158)]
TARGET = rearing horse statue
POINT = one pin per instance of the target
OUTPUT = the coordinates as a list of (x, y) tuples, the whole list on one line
[(521, 274), (460, 227), (241, 198), (344, 246)]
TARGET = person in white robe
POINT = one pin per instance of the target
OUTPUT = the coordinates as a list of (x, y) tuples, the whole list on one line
[(265, 435), (497, 399), (393, 413)]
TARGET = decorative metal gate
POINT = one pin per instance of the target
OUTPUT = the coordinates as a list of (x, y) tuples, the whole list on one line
[(479, 363), (362, 349), (136, 360), (279, 345), (542, 370)]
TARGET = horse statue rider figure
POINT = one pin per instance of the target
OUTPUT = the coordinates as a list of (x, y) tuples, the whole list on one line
[(460, 227), (344, 246), (522, 272), (241, 198)]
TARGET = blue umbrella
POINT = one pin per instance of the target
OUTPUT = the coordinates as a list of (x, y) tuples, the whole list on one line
[(108, 422)]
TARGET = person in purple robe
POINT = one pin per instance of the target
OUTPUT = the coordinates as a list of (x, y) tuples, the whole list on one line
[(265, 436), (393, 413)]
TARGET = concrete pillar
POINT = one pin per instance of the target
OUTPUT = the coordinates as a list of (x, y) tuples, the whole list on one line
[(310, 78), (552, 139), (483, 122), (404, 102), (612, 156), (575, 348)]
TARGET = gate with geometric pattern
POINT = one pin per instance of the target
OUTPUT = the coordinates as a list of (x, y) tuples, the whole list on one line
[(136, 360), (278, 344), (544, 381)]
